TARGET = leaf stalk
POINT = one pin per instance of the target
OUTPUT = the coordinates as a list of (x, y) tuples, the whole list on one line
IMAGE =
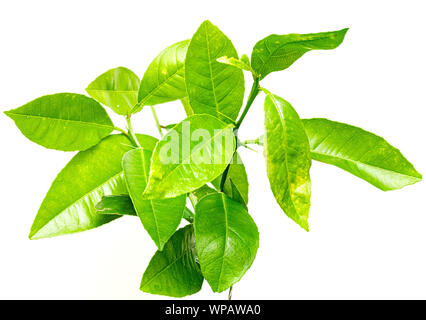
[(157, 122), (253, 94), (131, 133)]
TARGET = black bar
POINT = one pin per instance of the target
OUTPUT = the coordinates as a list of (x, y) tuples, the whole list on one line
[(215, 309)]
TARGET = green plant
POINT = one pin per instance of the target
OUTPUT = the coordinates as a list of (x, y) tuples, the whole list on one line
[(138, 175)]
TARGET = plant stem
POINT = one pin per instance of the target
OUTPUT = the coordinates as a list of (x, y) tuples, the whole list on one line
[(131, 133), (121, 130), (188, 215), (230, 293), (156, 121), (246, 142), (258, 141), (253, 94), (249, 148)]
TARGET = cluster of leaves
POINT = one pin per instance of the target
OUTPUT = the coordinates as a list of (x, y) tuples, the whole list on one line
[(123, 174)]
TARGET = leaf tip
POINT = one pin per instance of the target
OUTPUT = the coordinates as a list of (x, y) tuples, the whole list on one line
[(303, 223), (207, 22), (99, 207), (8, 113), (33, 235), (343, 33), (142, 287), (145, 287), (419, 176)]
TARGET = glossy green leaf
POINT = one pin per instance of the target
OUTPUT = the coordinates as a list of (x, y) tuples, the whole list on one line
[(63, 121), (160, 218), (117, 88), (174, 272), (278, 52), (213, 88), (361, 153), (238, 189), (164, 79), (226, 238), (69, 205), (190, 155), (122, 205), (116, 204), (287, 159)]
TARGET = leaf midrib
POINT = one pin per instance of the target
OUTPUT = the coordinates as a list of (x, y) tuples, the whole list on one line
[(226, 240), (211, 70), (78, 200), (285, 142), (238, 190), (187, 250), (160, 86), (83, 123), (160, 242), (271, 53), (193, 151), (362, 163)]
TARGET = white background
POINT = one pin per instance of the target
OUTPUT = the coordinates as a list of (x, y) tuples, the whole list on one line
[(363, 243)]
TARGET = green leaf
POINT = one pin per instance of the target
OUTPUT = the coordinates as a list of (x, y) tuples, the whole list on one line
[(160, 218), (117, 88), (213, 88), (123, 205), (235, 62), (174, 272), (278, 52), (236, 183), (190, 155), (287, 159), (361, 153), (116, 204), (63, 121), (69, 205), (164, 79), (226, 238)]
